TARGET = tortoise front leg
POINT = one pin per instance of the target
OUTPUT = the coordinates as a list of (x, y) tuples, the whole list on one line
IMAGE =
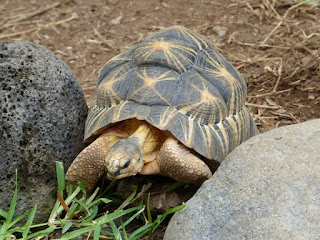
[(177, 162), (89, 165)]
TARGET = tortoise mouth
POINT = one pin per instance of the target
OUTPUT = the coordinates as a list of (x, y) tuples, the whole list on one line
[(118, 175)]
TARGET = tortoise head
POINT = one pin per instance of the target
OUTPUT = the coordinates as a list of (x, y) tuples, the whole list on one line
[(124, 159)]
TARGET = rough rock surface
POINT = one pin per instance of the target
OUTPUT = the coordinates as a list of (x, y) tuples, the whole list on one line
[(267, 188), (42, 117)]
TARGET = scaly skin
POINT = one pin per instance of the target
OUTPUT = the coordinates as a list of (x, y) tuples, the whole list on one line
[(126, 157), (177, 162), (89, 165)]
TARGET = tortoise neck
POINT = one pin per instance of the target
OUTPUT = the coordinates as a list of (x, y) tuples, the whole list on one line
[(142, 132)]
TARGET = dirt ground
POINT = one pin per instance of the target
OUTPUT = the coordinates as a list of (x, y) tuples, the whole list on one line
[(275, 44)]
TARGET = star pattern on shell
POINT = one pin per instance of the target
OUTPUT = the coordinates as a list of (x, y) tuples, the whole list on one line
[(176, 81)]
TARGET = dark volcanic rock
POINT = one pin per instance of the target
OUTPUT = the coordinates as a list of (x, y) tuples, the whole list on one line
[(43, 111)]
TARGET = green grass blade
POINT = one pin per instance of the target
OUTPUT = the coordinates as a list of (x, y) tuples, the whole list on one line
[(92, 197), (3, 214), (83, 189), (124, 232), (10, 231), (157, 222), (146, 187), (92, 215), (6, 225), (174, 210), (73, 196), (66, 227), (60, 177), (133, 217), (54, 211), (77, 233), (70, 189), (115, 230), (29, 221), (106, 233), (104, 200), (72, 210), (115, 200), (20, 217), (109, 217), (128, 200), (96, 232), (59, 209), (40, 234), (81, 202), (176, 185), (148, 209), (113, 184), (140, 231)]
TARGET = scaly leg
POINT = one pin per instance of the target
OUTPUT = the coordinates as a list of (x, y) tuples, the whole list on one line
[(177, 162), (90, 165)]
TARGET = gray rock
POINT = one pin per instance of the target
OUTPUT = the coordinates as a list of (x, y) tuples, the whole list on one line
[(267, 188), (43, 111)]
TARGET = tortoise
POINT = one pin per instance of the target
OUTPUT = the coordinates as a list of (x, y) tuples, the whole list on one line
[(169, 105)]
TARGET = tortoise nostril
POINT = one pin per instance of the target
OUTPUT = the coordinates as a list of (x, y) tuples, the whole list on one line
[(116, 173)]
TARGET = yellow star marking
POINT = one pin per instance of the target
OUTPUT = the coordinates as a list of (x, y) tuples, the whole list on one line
[(172, 52), (225, 137), (161, 45), (188, 133), (207, 97), (237, 92), (106, 92), (234, 123), (117, 113), (150, 82), (194, 37), (224, 73), (214, 62), (108, 85), (166, 117), (207, 107)]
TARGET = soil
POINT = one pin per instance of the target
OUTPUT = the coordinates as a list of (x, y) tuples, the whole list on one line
[(274, 44)]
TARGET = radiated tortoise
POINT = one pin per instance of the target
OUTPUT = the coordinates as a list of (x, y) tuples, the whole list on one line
[(168, 106)]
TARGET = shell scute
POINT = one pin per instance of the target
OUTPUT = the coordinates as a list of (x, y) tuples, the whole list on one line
[(173, 54), (203, 103), (181, 34), (152, 86), (226, 78)]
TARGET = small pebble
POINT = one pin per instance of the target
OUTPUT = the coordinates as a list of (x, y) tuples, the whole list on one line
[(117, 20)]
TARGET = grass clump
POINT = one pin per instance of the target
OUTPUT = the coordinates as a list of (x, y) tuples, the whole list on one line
[(83, 217)]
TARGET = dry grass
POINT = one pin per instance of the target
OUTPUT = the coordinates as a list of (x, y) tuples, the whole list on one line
[(280, 60)]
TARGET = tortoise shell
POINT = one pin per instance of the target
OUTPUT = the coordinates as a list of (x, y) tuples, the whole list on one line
[(176, 81)]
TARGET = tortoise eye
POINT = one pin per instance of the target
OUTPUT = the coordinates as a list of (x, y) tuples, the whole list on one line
[(126, 164)]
